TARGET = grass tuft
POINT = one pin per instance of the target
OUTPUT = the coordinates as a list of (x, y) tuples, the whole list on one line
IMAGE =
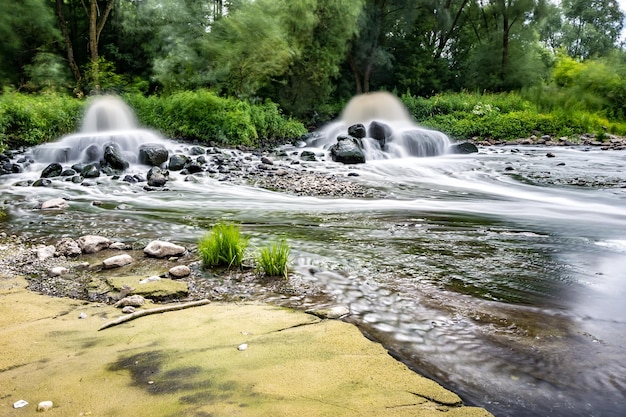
[(272, 260), (222, 246)]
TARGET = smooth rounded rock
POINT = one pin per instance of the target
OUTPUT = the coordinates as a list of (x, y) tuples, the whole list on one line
[(161, 249), (179, 271), (117, 261)]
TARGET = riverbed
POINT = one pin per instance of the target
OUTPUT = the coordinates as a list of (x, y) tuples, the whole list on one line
[(498, 274)]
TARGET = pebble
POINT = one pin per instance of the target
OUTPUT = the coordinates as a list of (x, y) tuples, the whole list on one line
[(57, 271), (45, 406), (153, 278), (20, 404), (242, 347), (128, 310), (82, 316), (179, 271)]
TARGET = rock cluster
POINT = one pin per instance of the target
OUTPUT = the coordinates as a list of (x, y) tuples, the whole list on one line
[(609, 142)]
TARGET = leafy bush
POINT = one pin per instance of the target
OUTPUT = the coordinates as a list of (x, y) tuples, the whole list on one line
[(33, 119), (202, 115), (273, 260), (222, 246)]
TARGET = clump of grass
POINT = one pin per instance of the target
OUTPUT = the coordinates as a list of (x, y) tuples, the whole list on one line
[(272, 260), (222, 246)]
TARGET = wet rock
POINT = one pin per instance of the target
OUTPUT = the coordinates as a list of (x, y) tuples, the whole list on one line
[(179, 271), (90, 171), (153, 278), (114, 158), (93, 244), (379, 131), (55, 203), (162, 249), (119, 246), (308, 156), (52, 170), (347, 150), (157, 177), (42, 182), (117, 261), (68, 247), (197, 150), (550, 155), (177, 162), (357, 131), (131, 300), (152, 154), (463, 148)]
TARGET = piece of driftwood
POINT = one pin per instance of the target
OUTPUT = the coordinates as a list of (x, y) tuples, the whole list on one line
[(141, 313)]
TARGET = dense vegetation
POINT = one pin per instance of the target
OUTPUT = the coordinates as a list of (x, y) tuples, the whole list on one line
[(243, 71)]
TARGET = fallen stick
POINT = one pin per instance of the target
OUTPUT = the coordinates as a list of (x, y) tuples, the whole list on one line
[(141, 313)]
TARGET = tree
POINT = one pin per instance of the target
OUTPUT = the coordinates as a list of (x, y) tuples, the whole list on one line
[(27, 29), (96, 14), (591, 27)]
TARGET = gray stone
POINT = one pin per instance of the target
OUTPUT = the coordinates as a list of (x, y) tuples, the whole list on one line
[(45, 252), (52, 170), (68, 247), (93, 244), (55, 203), (179, 271), (117, 261), (162, 249), (114, 158)]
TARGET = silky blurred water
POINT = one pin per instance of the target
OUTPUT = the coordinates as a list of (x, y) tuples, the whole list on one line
[(501, 274)]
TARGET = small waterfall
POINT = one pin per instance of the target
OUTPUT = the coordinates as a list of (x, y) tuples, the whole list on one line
[(108, 119), (391, 132)]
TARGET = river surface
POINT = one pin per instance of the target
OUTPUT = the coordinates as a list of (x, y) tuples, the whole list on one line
[(502, 274)]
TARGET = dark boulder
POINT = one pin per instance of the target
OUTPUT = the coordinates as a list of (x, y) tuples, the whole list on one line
[(113, 157), (357, 131), (308, 156), (347, 150), (463, 148), (90, 171), (92, 153), (177, 162), (157, 177), (153, 154), (379, 131), (52, 170)]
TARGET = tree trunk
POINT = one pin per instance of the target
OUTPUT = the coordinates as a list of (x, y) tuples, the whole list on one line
[(68, 42), (95, 29)]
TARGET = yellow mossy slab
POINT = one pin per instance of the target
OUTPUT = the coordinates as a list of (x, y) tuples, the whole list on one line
[(164, 287), (187, 363)]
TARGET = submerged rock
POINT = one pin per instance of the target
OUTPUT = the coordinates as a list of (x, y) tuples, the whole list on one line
[(93, 244), (463, 148)]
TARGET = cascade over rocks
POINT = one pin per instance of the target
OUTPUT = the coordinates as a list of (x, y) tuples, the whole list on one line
[(347, 150)]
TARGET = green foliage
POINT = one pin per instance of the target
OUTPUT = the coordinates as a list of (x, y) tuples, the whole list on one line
[(203, 115), (273, 260), (33, 119), (222, 246)]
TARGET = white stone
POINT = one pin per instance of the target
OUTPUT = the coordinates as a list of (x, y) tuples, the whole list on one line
[(57, 271), (128, 310), (131, 300), (82, 316), (45, 406), (242, 347), (118, 246), (161, 249), (20, 404), (180, 271), (153, 278), (93, 244), (117, 261), (45, 252), (55, 203)]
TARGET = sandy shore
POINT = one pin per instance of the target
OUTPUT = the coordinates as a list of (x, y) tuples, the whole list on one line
[(191, 363)]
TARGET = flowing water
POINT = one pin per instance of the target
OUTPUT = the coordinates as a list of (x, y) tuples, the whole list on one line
[(502, 274)]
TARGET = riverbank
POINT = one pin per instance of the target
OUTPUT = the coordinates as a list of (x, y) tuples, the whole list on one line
[(220, 359)]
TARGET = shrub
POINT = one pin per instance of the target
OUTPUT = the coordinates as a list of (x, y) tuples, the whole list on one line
[(273, 260), (222, 246)]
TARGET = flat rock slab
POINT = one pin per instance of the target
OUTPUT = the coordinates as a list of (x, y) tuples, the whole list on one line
[(187, 362), (161, 289)]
